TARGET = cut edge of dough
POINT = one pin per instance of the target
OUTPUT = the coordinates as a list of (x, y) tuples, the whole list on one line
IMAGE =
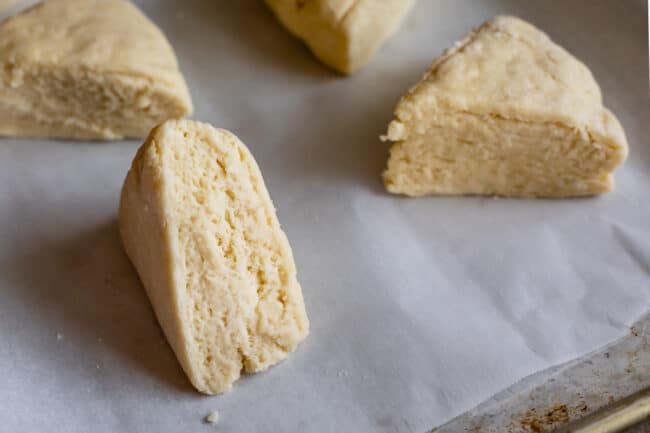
[(406, 176), (147, 102)]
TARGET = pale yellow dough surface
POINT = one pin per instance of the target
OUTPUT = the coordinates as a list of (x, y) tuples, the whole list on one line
[(504, 112), (199, 226), (343, 34), (92, 69)]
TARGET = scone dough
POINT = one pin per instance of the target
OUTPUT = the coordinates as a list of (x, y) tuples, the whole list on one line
[(92, 69), (504, 112), (199, 226), (343, 34)]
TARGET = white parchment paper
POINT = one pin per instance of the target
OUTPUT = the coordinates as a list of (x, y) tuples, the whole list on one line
[(420, 309)]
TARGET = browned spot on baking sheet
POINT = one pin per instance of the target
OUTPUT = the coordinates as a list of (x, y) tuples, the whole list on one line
[(543, 421)]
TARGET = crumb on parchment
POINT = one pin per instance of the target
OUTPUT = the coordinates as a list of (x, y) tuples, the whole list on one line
[(212, 417)]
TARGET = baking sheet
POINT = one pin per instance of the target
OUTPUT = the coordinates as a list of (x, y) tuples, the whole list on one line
[(420, 308), (572, 396)]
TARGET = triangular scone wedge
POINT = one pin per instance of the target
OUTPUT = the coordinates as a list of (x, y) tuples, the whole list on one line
[(91, 69), (343, 34), (505, 112), (199, 226)]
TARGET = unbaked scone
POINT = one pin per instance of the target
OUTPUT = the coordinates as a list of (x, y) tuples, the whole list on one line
[(343, 34), (91, 69), (504, 112), (198, 224)]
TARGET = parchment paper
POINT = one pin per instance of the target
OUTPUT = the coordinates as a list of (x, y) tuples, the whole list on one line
[(420, 309)]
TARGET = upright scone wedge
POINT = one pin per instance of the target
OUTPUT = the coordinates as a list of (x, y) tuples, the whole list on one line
[(504, 112), (197, 222), (87, 69), (343, 34)]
